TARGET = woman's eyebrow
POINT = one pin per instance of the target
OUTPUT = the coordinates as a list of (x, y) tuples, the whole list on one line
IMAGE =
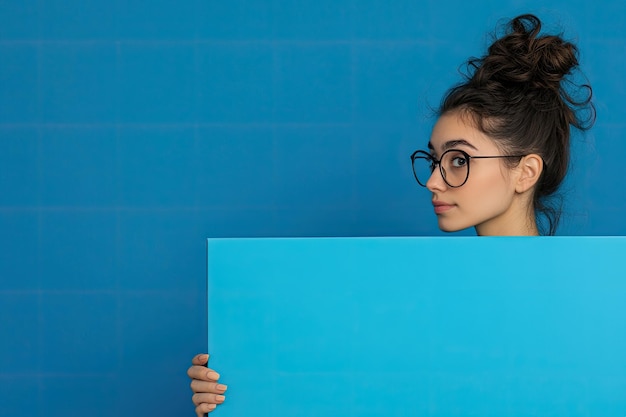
[(453, 144)]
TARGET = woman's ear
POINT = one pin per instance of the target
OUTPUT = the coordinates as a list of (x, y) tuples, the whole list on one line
[(530, 169)]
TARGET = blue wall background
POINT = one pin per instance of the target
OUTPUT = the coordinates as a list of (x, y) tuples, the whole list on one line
[(131, 131)]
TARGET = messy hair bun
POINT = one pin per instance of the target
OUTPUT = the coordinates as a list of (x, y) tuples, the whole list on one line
[(521, 95), (523, 57)]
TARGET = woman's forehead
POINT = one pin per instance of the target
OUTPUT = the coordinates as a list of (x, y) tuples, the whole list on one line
[(453, 131)]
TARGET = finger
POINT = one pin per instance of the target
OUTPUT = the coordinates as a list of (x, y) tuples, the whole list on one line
[(202, 373), (206, 398), (200, 359), (210, 387), (202, 409)]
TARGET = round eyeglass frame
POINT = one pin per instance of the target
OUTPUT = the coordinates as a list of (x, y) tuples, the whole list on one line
[(420, 154)]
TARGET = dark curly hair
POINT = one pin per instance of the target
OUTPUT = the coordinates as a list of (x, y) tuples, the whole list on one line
[(521, 95)]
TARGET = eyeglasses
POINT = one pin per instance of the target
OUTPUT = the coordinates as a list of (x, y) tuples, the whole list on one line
[(454, 166)]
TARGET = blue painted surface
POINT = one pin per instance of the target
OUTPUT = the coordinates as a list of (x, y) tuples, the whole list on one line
[(131, 132), (419, 326)]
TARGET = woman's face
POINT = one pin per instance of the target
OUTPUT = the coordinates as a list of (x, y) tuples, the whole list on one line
[(487, 200)]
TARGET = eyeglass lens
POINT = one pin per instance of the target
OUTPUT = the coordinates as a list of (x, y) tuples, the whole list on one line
[(454, 168)]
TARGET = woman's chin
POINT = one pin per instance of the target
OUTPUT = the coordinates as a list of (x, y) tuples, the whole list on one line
[(450, 227)]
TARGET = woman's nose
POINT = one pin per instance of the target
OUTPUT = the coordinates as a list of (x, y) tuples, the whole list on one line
[(436, 181)]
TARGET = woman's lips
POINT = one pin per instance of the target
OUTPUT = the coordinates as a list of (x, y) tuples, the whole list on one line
[(442, 207)]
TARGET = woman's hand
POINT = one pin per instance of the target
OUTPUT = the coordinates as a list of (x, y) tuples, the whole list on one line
[(207, 392)]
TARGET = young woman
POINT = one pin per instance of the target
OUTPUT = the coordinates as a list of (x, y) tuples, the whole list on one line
[(498, 152)]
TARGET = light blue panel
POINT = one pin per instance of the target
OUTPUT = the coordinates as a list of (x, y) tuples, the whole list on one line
[(419, 326)]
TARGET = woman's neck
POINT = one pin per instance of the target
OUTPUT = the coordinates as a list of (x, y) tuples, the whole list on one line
[(521, 222), (508, 230), (518, 220)]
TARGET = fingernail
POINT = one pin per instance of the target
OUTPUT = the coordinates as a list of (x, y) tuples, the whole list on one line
[(205, 357), (213, 375), (212, 406), (220, 397), (222, 387)]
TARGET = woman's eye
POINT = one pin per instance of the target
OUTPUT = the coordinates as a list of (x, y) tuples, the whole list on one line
[(459, 161)]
